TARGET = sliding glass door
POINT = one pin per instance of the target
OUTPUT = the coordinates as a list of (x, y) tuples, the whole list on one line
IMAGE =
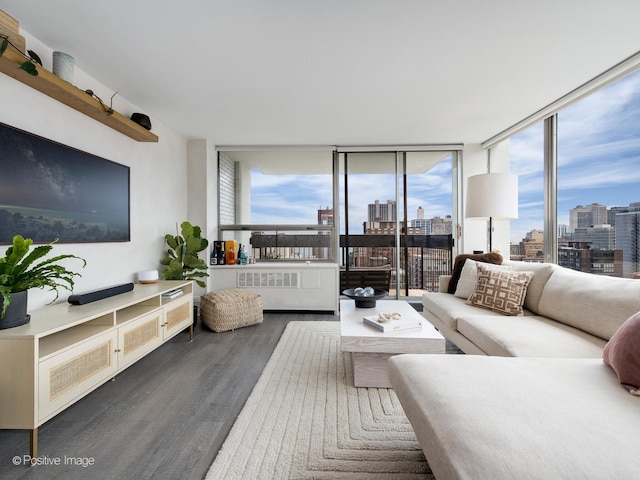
[(396, 220)]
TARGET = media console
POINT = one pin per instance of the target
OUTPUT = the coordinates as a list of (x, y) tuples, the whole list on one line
[(67, 351)]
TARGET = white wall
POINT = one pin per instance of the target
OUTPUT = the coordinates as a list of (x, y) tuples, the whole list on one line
[(158, 176)]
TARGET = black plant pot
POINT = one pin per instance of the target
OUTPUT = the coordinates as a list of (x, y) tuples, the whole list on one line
[(16, 314)]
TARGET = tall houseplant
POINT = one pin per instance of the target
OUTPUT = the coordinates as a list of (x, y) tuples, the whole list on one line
[(21, 270), (181, 261)]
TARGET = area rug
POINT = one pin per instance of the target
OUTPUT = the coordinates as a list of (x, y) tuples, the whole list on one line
[(306, 420)]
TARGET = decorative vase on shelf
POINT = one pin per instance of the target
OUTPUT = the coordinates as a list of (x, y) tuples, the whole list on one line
[(63, 64)]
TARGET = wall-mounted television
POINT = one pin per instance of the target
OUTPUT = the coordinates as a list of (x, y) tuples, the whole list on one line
[(50, 191)]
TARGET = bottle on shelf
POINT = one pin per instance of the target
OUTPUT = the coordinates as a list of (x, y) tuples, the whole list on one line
[(220, 252), (242, 256), (231, 247)]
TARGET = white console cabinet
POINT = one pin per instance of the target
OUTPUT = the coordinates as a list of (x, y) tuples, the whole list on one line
[(66, 351), (283, 286)]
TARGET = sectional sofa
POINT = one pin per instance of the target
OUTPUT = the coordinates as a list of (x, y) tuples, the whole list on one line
[(533, 399)]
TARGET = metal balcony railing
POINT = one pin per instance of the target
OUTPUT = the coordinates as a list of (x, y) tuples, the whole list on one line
[(423, 258)]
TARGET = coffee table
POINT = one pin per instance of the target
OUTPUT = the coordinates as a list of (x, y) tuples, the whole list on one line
[(370, 348)]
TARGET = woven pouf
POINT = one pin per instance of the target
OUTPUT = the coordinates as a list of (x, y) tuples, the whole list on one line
[(230, 309)]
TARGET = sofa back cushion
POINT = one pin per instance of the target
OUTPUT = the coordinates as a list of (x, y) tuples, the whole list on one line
[(541, 273), (596, 304), (458, 264), (469, 277)]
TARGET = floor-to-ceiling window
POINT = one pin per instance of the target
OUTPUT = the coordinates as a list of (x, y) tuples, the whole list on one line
[(397, 216), (589, 148), (526, 151), (278, 204), (386, 217)]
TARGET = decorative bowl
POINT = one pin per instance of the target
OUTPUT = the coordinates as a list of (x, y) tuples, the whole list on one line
[(365, 302)]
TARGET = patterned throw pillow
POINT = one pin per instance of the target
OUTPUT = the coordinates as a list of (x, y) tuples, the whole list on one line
[(500, 290)]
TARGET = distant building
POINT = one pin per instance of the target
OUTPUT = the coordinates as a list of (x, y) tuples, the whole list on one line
[(325, 216), (382, 212), (581, 257), (562, 229), (602, 237), (442, 226), (580, 216), (531, 247), (628, 240)]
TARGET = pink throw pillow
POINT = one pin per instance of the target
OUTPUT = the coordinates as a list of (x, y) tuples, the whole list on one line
[(622, 353)]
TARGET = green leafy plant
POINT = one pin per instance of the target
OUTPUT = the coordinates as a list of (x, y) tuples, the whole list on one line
[(20, 271), (181, 261), (32, 57)]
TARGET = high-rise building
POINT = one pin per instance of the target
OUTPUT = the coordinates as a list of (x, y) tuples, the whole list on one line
[(628, 240), (581, 216), (382, 212)]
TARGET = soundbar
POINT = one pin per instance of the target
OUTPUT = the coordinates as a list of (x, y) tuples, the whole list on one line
[(95, 295)]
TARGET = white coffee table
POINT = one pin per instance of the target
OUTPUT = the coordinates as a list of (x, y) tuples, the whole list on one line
[(370, 348)]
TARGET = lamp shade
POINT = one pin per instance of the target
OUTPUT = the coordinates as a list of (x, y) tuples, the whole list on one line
[(492, 196)]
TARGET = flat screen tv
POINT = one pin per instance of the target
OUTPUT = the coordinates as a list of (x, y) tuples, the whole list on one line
[(50, 191)]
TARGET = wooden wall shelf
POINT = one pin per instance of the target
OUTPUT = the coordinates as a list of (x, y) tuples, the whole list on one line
[(61, 90)]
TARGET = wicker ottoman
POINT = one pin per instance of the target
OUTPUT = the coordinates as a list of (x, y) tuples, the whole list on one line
[(230, 309)]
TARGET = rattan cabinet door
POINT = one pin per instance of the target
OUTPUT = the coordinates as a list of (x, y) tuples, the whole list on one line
[(138, 338), (71, 374), (178, 315)]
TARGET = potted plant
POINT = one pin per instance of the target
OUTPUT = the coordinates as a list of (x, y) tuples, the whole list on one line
[(181, 261), (21, 270)]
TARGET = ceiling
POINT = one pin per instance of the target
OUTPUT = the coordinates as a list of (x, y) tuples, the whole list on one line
[(337, 72)]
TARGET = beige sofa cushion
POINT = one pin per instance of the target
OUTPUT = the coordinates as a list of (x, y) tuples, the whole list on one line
[(541, 273), (529, 336), (519, 418), (449, 308), (596, 304)]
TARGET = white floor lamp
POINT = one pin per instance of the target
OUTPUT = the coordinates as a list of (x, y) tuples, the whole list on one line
[(492, 196)]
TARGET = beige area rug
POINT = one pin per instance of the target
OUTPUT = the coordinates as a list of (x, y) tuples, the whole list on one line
[(304, 419)]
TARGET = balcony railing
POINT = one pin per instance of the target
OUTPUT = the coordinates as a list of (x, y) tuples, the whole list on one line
[(423, 258)]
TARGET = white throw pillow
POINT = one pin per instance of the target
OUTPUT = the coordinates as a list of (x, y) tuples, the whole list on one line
[(469, 277)]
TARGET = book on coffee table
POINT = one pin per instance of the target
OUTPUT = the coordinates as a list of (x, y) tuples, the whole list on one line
[(393, 325)]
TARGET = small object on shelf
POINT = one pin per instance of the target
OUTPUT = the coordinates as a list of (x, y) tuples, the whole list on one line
[(99, 294), (173, 293), (398, 323), (242, 256), (63, 64), (49, 84), (142, 120), (148, 276), (363, 301)]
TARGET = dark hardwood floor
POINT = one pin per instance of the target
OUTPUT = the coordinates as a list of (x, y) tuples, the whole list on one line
[(165, 417)]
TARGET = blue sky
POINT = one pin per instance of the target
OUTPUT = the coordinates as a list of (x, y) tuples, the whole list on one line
[(295, 199), (598, 156), (598, 162)]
